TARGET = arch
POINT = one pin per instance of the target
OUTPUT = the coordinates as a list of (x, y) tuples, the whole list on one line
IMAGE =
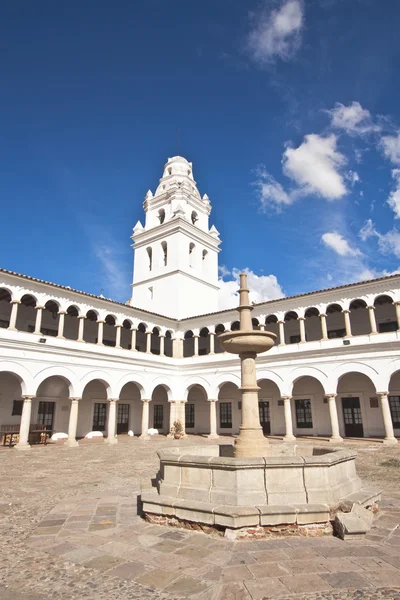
[(150, 257), (200, 381), (188, 344), (291, 315), (64, 373), (160, 382), (6, 294), (138, 381), (73, 310), (92, 314), (313, 372), (22, 374), (385, 313), (383, 299), (28, 297), (5, 307), (204, 255), (192, 247), (92, 376), (380, 381), (235, 326), (266, 375), (227, 378), (168, 343), (335, 321), (312, 324), (194, 217), (26, 316), (255, 323), (271, 319), (161, 216), (359, 318), (141, 338), (312, 311), (204, 341)]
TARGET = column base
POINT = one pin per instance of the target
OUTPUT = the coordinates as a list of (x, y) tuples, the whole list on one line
[(289, 438), (144, 436), (110, 441), (71, 443), (20, 446), (390, 441), (213, 436), (12, 329), (251, 443), (335, 440)]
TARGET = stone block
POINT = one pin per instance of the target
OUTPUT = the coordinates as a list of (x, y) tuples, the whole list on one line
[(277, 515), (198, 512), (312, 513), (284, 483), (350, 526), (236, 516)]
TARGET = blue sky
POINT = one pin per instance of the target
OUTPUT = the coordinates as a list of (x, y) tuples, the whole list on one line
[(288, 109)]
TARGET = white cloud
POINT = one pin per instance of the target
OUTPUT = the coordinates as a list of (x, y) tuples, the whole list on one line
[(391, 147), (339, 244), (353, 119), (116, 284), (271, 193), (394, 196), (388, 243), (277, 33), (315, 166), (262, 288)]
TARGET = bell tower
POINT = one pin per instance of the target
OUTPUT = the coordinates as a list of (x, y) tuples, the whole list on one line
[(176, 252)]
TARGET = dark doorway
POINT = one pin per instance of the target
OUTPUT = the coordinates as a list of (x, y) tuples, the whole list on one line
[(265, 419), (353, 426), (122, 418), (158, 416), (46, 414), (99, 417)]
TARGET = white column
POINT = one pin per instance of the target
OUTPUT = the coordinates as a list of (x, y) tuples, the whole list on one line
[(14, 314), (118, 336), (347, 323), (145, 420), (148, 342), (213, 435), (389, 440), (196, 345), (172, 416), (372, 320), (73, 423), (177, 348), (212, 342), (262, 327), (23, 443), (38, 323), (182, 417), (112, 422), (60, 333), (397, 306), (162, 339), (288, 419), (81, 328), (100, 332), (324, 329), (133, 339), (302, 329), (281, 325), (335, 437)]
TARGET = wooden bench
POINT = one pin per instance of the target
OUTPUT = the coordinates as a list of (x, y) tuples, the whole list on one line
[(38, 434)]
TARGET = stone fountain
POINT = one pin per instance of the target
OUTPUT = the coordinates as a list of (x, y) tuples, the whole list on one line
[(261, 489)]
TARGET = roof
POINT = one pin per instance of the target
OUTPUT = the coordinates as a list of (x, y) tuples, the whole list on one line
[(101, 298)]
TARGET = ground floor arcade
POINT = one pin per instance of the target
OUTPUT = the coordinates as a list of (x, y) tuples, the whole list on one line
[(356, 409)]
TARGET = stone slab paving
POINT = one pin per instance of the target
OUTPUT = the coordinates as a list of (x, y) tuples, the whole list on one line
[(70, 528)]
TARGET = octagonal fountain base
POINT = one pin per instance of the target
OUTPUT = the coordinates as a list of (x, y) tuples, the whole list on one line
[(293, 490)]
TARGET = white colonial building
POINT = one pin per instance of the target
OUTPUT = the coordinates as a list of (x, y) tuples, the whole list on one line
[(74, 362)]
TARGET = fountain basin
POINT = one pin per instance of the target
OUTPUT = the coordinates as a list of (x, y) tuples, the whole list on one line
[(294, 485), (241, 341)]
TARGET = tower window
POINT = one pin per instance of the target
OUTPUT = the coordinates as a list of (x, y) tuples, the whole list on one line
[(191, 254), (150, 293), (165, 253), (150, 255), (170, 171), (194, 217), (161, 215), (204, 255)]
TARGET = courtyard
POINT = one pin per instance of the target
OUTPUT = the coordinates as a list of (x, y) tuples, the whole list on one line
[(70, 529)]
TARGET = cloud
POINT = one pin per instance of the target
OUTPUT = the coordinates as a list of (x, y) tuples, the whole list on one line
[(271, 192), (315, 167), (277, 34), (115, 281), (339, 244), (390, 145), (353, 119), (394, 196), (262, 288), (388, 243)]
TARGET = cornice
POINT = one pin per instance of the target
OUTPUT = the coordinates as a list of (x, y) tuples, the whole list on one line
[(175, 272), (175, 225)]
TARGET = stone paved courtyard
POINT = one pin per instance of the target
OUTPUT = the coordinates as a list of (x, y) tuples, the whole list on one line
[(69, 529)]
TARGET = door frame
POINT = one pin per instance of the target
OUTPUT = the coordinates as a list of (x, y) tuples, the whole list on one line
[(270, 412), (354, 424), (364, 416)]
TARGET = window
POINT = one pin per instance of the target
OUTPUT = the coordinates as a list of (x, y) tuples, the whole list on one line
[(194, 217), (336, 333), (99, 416), (189, 415), (385, 327), (4, 324), (158, 416), (191, 254), (225, 415), (46, 414), (295, 339), (303, 414), (17, 408), (394, 403), (161, 216), (164, 248), (204, 255), (150, 293), (150, 255)]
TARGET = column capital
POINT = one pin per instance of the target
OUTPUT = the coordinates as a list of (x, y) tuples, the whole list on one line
[(331, 396), (62, 312), (212, 399), (382, 393), (286, 398), (15, 302), (113, 399), (133, 328), (39, 307), (118, 325), (301, 318), (281, 322), (146, 399), (371, 307), (397, 303), (100, 321), (322, 314), (75, 399), (28, 398), (81, 317), (346, 310)]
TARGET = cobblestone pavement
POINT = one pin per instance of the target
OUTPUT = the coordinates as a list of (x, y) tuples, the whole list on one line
[(69, 529)]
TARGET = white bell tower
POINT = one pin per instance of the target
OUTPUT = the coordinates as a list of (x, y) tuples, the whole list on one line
[(176, 253)]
